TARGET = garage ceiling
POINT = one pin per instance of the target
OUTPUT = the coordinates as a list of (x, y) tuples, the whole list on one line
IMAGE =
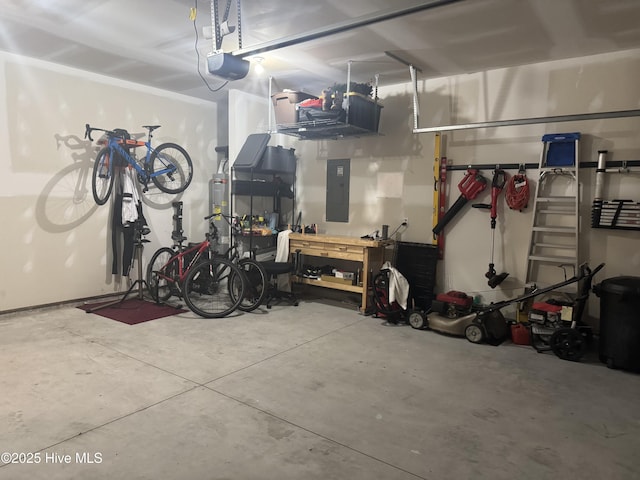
[(153, 42)]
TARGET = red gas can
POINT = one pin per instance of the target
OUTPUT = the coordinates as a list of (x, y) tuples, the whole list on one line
[(520, 334)]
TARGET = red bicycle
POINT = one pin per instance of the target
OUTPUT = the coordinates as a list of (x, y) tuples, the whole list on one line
[(168, 270), (212, 286)]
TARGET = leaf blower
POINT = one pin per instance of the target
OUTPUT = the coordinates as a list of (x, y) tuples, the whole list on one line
[(470, 186), (497, 185)]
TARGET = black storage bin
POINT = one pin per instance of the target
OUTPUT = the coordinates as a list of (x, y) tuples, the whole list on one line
[(252, 151), (364, 112), (620, 322), (310, 116), (417, 263), (278, 160), (255, 156), (260, 188)]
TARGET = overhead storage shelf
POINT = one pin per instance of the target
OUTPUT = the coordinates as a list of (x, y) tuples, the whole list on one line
[(347, 110), (324, 130), (294, 116)]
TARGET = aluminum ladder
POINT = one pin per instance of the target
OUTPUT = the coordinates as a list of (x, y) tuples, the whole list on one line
[(556, 221)]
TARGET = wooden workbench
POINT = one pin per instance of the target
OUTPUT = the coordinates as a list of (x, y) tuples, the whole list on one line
[(369, 253)]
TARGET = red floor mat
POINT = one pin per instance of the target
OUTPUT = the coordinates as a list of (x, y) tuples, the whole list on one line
[(133, 311)]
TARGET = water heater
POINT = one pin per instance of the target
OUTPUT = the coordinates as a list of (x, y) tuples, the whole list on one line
[(219, 206)]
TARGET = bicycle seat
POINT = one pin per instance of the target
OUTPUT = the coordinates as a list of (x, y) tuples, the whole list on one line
[(178, 238), (151, 127)]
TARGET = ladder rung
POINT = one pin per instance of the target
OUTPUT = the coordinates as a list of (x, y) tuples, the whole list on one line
[(564, 169), (558, 212), (554, 245), (555, 229), (558, 199), (552, 258)]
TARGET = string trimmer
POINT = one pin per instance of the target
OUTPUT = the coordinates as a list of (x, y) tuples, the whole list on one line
[(497, 185)]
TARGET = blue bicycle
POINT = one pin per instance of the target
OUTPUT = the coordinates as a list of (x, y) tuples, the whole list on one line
[(168, 165)]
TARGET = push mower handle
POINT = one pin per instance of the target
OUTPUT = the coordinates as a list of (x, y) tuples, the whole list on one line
[(587, 272)]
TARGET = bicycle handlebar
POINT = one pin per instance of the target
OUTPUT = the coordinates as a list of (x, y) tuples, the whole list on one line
[(110, 133), (88, 129), (226, 217), (213, 229)]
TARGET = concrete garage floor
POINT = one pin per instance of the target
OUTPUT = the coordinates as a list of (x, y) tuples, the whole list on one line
[(310, 392)]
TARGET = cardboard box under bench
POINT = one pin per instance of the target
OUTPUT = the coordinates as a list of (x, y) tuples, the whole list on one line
[(333, 279)]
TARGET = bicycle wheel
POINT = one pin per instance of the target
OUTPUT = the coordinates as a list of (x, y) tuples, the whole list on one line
[(171, 168), (159, 268), (102, 177), (255, 288), (209, 285)]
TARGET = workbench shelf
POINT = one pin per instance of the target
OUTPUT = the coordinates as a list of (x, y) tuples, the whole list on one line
[(369, 255), (336, 286)]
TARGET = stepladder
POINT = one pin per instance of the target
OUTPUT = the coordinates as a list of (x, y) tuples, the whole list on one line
[(554, 252)]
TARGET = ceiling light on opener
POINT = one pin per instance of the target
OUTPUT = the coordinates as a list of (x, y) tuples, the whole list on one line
[(258, 66)]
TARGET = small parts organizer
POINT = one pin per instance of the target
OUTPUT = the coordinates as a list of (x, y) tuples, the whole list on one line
[(616, 214), (612, 214)]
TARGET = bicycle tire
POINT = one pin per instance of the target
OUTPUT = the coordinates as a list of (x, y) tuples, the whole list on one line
[(102, 177), (206, 288), (164, 156), (255, 288), (161, 289)]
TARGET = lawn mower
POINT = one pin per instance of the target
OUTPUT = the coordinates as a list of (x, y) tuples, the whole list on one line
[(450, 313), (455, 313)]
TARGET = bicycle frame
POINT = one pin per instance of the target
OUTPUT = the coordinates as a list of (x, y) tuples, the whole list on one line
[(114, 144), (178, 258), (200, 248), (212, 284)]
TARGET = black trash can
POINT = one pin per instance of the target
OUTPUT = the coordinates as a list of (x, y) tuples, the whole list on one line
[(620, 322)]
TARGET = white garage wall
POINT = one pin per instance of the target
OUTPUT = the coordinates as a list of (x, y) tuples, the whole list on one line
[(56, 243), (590, 84)]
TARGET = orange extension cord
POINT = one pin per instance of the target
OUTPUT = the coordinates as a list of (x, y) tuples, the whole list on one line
[(517, 192)]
